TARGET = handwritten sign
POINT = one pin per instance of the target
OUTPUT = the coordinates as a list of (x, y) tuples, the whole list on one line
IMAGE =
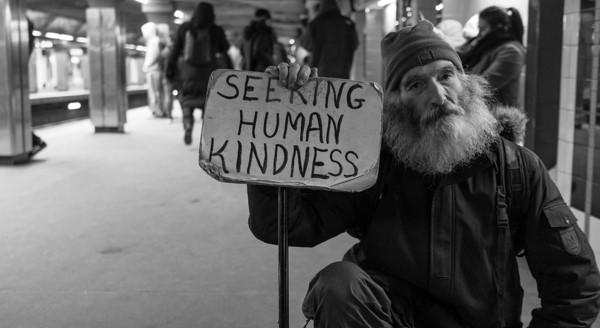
[(325, 135)]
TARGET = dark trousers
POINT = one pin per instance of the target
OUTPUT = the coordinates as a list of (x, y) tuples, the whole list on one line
[(188, 117), (344, 295)]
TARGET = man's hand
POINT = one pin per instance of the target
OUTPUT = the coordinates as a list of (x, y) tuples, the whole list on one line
[(292, 76)]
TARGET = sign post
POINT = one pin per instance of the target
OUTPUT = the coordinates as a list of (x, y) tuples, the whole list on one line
[(282, 242), (325, 135)]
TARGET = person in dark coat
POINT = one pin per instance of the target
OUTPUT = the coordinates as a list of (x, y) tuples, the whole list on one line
[(331, 39), (193, 78), (497, 53), (437, 235), (259, 43)]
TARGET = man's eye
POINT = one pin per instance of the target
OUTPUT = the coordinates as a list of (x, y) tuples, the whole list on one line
[(446, 76), (414, 86)]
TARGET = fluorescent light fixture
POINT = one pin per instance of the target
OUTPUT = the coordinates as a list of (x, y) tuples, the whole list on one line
[(74, 106), (140, 48), (36, 33), (58, 36), (81, 39), (76, 52), (130, 46), (142, 1), (383, 3), (178, 14), (439, 7)]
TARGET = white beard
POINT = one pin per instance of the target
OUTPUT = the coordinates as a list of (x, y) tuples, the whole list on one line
[(440, 145)]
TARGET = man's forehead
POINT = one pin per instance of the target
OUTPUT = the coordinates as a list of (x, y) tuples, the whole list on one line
[(428, 69)]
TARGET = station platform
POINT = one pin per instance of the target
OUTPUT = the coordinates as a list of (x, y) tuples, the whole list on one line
[(125, 230)]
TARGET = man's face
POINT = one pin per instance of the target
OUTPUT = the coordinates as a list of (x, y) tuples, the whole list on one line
[(437, 118), (431, 92)]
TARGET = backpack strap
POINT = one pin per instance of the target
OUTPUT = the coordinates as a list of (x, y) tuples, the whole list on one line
[(516, 188), (503, 239), (511, 186)]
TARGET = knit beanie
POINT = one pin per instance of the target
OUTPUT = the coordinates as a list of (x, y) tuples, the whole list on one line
[(413, 46)]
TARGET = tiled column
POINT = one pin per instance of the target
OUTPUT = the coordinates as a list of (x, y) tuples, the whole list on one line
[(15, 111), (568, 89), (106, 50)]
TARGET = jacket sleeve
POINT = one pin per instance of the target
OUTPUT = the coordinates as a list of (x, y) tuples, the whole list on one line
[(176, 50), (313, 216), (222, 43), (506, 66), (306, 39), (559, 256)]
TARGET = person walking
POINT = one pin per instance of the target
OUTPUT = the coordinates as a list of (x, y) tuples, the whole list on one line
[(152, 68), (497, 53), (258, 49), (200, 46), (331, 39)]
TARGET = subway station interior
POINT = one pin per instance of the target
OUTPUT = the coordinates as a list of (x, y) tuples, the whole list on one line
[(114, 224)]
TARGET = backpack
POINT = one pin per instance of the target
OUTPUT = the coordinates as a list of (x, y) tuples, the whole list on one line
[(259, 51), (197, 47)]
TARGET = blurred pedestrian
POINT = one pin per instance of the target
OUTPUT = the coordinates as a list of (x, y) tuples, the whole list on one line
[(497, 53), (258, 47), (452, 32), (202, 47), (152, 68), (37, 144), (331, 39)]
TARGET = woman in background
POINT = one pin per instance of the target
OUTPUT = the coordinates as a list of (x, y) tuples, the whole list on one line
[(192, 63), (497, 53)]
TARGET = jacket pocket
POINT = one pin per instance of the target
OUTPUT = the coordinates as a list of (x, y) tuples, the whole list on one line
[(561, 219)]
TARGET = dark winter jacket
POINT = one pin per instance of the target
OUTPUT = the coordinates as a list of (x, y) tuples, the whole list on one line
[(500, 61), (258, 47), (440, 234), (191, 80), (331, 39)]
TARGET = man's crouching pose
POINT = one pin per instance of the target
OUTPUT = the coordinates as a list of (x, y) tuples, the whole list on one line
[(453, 205)]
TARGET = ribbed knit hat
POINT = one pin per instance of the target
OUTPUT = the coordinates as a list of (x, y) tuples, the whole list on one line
[(413, 46)]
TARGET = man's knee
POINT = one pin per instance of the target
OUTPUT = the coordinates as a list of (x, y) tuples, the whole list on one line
[(344, 294), (336, 280)]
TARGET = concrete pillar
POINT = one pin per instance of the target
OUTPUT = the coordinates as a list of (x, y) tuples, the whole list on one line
[(33, 74), (63, 68), (15, 111), (358, 67), (106, 51), (374, 32)]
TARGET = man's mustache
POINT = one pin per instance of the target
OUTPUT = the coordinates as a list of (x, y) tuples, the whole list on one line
[(439, 111)]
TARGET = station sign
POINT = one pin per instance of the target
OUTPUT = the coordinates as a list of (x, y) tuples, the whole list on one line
[(324, 135)]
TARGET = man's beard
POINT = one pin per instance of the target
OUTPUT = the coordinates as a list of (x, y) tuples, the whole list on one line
[(442, 138)]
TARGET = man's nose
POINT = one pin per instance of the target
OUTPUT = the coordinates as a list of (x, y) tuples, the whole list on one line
[(437, 93)]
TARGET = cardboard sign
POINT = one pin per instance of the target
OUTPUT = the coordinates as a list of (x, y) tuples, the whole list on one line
[(325, 135)]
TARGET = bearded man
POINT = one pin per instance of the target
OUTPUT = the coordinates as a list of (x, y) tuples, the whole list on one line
[(435, 248)]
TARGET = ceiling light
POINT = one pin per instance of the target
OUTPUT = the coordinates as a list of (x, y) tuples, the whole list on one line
[(383, 3), (439, 7)]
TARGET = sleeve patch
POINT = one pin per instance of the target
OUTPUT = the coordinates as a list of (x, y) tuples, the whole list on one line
[(562, 219)]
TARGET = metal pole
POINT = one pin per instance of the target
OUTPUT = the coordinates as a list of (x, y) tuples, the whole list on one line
[(282, 240), (592, 120)]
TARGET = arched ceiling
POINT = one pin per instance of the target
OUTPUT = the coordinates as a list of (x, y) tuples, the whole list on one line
[(68, 16)]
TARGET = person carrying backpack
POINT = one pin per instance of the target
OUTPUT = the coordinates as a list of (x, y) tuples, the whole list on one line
[(258, 49), (453, 205), (200, 46)]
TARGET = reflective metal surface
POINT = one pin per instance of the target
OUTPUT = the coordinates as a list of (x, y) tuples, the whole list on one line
[(15, 113), (108, 96)]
